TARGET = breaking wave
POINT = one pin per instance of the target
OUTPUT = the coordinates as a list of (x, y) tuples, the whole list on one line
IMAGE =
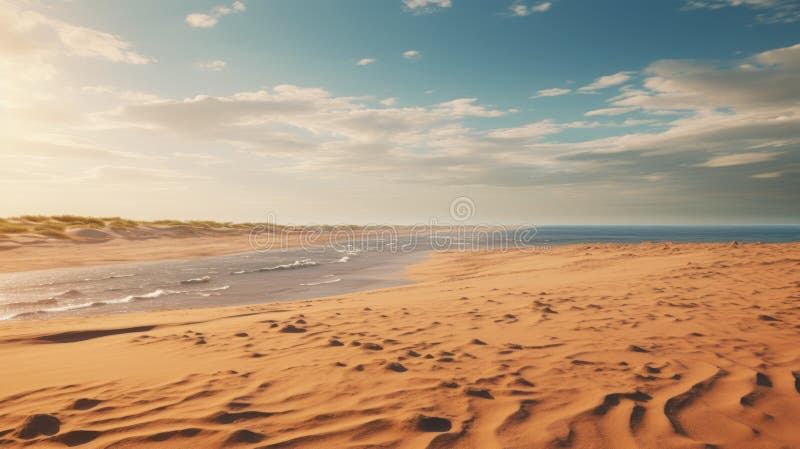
[(289, 266), (201, 280)]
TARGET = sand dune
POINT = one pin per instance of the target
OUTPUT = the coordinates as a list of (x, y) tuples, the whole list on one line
[(596, 346), (49, 243)]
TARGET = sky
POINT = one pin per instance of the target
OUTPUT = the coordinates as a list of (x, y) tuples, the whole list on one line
[(389, 111)]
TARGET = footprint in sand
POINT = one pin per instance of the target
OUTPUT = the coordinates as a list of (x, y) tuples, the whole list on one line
[(245, 436), (479, 393), (433, 424), (40, 424), (396, 367), (85, 404)]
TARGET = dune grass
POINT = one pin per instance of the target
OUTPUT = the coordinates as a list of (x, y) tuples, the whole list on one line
[(57, 226), (12, 228)]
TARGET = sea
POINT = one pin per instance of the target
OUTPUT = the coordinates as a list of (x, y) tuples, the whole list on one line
[(263, 276)]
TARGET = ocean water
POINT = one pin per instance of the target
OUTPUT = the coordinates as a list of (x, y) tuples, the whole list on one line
[(565, 235), (259, 277)]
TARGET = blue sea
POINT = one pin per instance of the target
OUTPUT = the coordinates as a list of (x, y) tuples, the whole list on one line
[(565, 235)]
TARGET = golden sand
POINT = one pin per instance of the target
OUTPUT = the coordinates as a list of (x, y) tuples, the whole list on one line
[(611, 346)]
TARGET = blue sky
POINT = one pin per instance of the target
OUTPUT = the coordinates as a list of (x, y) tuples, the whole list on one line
[(669, 111)]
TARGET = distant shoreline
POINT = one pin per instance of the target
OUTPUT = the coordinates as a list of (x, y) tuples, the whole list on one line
[(86, 241)]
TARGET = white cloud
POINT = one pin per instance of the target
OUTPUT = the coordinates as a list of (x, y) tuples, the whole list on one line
[(365, 61), (412, 54), (769, 11), (533, 131), (33, 38), (554, 92), (731, 160), (426, 6), (211, 66), (83, 41), (308, 129), (389, 101), (770, 175), (609, 111), (199, 20), (210, 19), (520, 9), (606, 81), (467, 107)]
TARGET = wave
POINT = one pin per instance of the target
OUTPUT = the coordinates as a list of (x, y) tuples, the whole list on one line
[(224, 287), (201, 280), (71, 293), (106, 278), (73, 281), (344, 259), (154, 294), (123, 300), (329, 281), (211, 291), (289, 266), (37, 302), (53, 300), (84, 305)]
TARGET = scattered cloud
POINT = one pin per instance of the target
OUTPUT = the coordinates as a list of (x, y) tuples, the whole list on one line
[(610, 111), (731, 160), (770, 175), (520, 9), (689, 114), (606, 81), (211, 66), (32, 39), (723, 121), (767, 11), (412, 55), (532, 131), (554, 92), (427, 6), (210, 19)]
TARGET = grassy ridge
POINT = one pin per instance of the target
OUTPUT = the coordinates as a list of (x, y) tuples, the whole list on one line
[(55, 226)]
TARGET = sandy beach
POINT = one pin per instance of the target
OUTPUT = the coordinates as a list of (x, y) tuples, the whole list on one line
[(590, 346)]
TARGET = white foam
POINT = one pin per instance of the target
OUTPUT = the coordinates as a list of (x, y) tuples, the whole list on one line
[(201, 280), (217, 289), (330, 281), (289, 266)]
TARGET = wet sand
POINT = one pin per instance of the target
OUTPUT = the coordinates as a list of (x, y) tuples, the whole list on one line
[(583, 346)]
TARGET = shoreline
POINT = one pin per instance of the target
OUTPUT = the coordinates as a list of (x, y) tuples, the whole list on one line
[(53, 254)]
